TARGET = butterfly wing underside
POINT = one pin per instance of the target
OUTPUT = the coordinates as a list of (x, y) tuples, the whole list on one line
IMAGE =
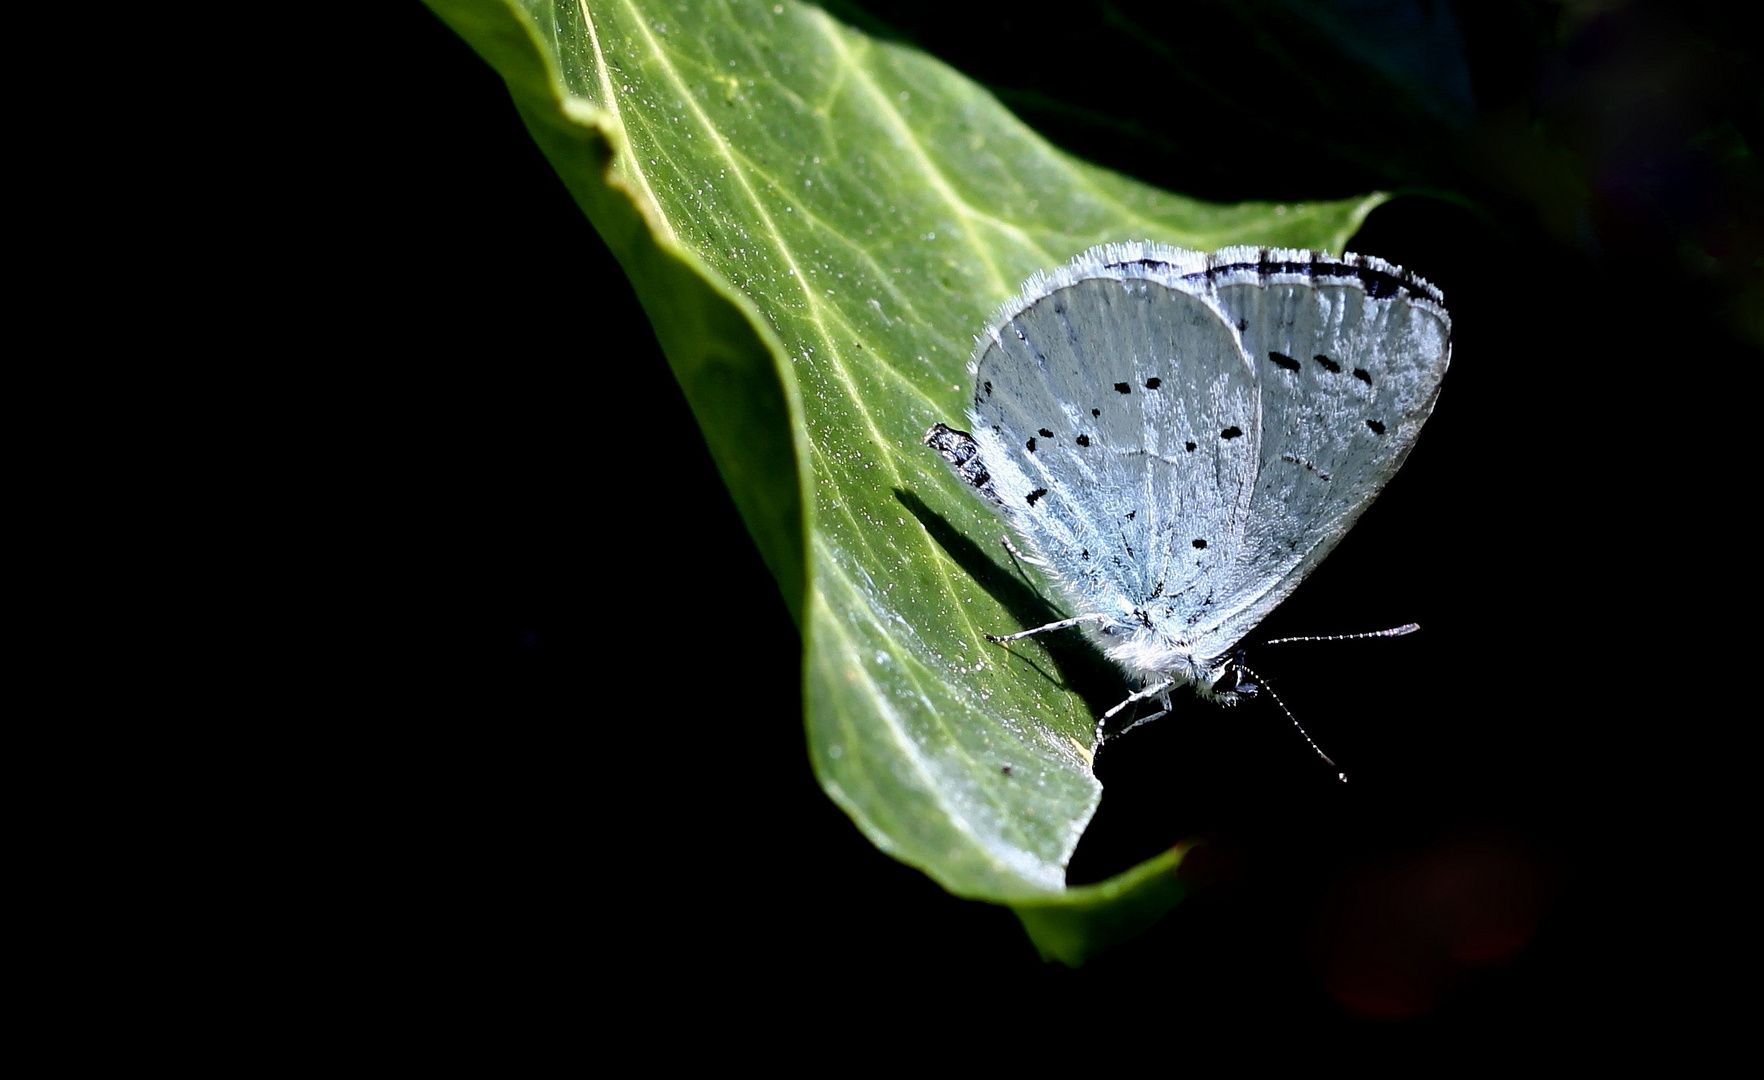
[(1183, 437), (1348, 367), (1100, 412)]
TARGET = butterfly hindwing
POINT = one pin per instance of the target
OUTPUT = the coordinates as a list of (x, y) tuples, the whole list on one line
[(1346, 378)]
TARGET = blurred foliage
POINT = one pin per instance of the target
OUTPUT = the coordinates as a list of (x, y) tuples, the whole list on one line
[(1624, 129)]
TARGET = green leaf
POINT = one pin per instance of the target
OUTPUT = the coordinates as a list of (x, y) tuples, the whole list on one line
[(817, 223)]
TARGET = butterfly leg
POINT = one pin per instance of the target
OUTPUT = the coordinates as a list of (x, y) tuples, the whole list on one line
[(1018, 554), (1161, 691), (1000, 639), (1142, 720), (1158, 690)]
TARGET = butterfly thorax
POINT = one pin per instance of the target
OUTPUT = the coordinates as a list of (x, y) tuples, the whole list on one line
[(1153, 656)]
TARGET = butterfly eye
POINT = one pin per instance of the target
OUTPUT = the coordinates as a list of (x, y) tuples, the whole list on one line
[(1235, 683), (1235, 680)]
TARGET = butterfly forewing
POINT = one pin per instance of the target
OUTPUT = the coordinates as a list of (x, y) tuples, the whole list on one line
[(1126, 413)]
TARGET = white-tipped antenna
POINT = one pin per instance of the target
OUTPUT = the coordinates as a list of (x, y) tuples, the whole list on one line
[(1395, 631), (1262, 685)]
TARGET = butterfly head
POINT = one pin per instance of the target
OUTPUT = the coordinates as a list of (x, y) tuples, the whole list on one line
[(1231, 681)]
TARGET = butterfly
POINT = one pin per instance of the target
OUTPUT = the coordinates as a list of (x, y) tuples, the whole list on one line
[(1177, 438)]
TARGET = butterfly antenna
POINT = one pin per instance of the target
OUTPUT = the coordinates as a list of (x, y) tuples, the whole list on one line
[(1261, 684), (1395, 631)]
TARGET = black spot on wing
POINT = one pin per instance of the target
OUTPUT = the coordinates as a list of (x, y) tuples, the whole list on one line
[(1123, 388), (1363, 375), (1376, 426), (1283, 361), (1153, 384), (1082, 440), (1232, 432), (1294, 459), (1044, 433), (1328, 365), (1036, 494)]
